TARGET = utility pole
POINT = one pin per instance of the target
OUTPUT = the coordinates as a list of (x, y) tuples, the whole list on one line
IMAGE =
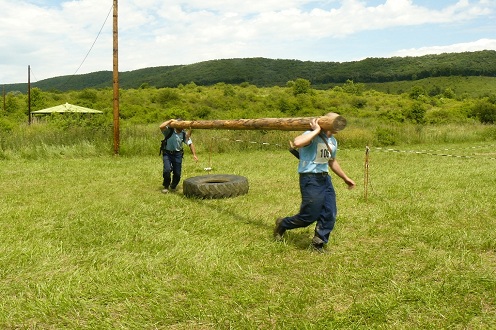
[(116, 80), (29, 94)]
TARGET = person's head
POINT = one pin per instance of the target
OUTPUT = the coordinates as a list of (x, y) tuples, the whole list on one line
[(178, 130), (338, 124)]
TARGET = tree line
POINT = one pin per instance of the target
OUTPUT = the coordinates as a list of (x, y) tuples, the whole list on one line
[(440, 104), (263, 72)]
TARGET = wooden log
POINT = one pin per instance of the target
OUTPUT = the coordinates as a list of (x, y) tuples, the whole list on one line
[(330, 122)]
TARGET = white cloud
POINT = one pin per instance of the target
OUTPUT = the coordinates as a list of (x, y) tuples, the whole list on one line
[(54, 39), (481, 44)]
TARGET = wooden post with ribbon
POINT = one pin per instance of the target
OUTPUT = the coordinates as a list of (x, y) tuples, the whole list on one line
[(366, 173)]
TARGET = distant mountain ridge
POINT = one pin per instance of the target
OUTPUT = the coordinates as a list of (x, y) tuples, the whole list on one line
[(264, 72)]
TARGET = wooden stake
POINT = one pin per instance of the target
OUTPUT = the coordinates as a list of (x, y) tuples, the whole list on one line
[(29, 94), (366, 176)]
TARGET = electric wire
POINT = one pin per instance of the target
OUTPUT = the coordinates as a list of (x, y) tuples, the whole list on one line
[(91, 48), (32, 74)]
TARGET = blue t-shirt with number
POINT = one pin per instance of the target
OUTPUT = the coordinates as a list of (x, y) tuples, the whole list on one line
[(314, 158)]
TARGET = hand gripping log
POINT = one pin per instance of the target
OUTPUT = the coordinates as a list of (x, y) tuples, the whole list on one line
[(332, 122)]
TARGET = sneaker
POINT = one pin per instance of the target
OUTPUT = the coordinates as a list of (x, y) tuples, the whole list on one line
[(319, 247), (318, 244), (173, 189), (278, 230), (165, 191)]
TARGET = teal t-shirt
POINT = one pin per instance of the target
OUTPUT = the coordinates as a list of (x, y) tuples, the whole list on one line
[(175, 142), (314, 158)]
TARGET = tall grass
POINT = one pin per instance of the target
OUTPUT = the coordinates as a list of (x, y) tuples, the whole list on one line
[(42, 140), (91, 243)]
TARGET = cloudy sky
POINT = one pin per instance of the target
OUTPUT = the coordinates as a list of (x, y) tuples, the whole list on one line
[(65, 37)]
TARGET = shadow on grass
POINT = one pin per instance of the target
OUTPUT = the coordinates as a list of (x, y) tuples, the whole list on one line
[(230, 213), (300, 238)]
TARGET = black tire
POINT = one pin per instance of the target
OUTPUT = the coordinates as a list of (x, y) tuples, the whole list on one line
[(215, 186)]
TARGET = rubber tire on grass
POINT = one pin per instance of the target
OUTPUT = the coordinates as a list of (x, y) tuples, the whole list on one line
[(215, 186)]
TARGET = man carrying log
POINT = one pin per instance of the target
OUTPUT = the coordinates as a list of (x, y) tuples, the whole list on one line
[(317, 151), (172, 154)]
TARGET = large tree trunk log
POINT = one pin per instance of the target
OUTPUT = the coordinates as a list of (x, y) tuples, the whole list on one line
[(330, 122)]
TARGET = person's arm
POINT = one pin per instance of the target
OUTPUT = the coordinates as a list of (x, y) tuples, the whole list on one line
[(190, 144), (305, 139), (336, 168), (293, 150), (193, 151), (165, 124)]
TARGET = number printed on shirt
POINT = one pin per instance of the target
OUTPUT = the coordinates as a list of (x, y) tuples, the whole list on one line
[(323, 154)]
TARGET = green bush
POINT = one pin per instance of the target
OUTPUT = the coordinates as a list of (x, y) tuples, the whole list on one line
[(443, 116), (6, 125), (416, 113), (359, 102), (392, 115), (386, 136), (485, 111), (166, 95)]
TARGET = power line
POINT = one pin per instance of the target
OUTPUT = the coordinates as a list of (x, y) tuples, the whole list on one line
[(91, 48), (94, 42)]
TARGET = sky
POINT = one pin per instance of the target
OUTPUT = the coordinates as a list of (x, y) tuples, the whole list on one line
[(62, 38)]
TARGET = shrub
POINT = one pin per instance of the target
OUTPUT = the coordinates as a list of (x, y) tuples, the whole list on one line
[(392, 115), (359, 102), (416, 92), (166, 95), (351, 88), (229, 91), (386, 136), (89, 95), (300, 86), (6, 125), (485, 112), (416, 113), (449, 93), (442, 116)]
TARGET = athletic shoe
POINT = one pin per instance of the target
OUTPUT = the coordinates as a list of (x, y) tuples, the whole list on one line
[(165, 191), (278, 230), (318, 247), (318, 244)]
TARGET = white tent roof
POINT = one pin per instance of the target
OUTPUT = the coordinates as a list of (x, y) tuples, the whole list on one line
[(63, 108)]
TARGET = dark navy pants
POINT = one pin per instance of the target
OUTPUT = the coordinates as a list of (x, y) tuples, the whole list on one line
[(172, 164), (318, 204)]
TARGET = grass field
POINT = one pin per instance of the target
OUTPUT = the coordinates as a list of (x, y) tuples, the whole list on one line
[(91, 243)]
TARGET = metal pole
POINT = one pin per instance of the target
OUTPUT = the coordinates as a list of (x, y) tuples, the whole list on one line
[(116, 80)]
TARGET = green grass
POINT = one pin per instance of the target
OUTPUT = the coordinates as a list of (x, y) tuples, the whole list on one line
[(91, 243)]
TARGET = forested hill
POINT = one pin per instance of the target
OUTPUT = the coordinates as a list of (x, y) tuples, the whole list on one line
[(264, 72)]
